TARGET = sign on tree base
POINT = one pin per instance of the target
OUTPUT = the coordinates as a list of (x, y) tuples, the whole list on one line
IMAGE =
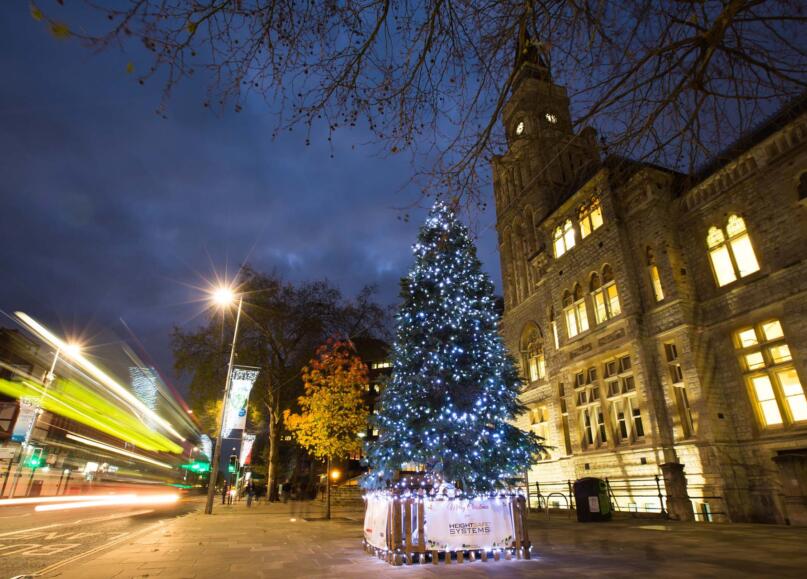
[(420, 529)]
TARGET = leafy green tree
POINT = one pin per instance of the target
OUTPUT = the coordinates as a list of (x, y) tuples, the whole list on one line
[(333, 409)]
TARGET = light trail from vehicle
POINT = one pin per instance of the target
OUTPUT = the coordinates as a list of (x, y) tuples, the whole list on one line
[(62, 499), (95, 372), (98, 444), (112, 501)]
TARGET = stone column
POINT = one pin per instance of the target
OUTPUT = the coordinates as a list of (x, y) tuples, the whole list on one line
[(679, 506), (793, 476)]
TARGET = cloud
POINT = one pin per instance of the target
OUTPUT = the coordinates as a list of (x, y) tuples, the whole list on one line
[(112, 211)]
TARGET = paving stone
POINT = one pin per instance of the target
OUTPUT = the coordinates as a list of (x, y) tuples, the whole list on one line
[(264, 542)]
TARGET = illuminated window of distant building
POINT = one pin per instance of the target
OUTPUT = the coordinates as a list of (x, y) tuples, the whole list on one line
[(655, 277), (532, 353), (772, 379), (731, 252), (604, 295), (679, 388), (563, 238), (590, 217), (574, 310), (551, 118)]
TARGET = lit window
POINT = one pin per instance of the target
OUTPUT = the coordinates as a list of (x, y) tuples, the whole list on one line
[(574, 310), (551, 118), (766, 400), (621, 388), (772, 379), (731, 252), (679, 389), (532, 353), (520, 127), (794, 394), (590, 217), (563, 238), (539, 417), (554, 325), (592, 414), (605, 296), (655, 276)]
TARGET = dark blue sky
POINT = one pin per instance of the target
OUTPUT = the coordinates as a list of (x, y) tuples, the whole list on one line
[(109, 211)]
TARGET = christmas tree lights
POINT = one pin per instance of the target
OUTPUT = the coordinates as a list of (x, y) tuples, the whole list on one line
[(454, 389)]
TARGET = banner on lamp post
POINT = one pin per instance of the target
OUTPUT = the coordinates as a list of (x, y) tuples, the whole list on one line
[(25, 421), (235, 412), (246, 448)]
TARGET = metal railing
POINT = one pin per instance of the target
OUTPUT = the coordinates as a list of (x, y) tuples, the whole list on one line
[(629, 495)]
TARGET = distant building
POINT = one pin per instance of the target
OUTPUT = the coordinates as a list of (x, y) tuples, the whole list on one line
[(375, 354), (660, 322), (144, 385)]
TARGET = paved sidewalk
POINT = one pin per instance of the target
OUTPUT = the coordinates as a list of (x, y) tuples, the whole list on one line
[(290, 541)]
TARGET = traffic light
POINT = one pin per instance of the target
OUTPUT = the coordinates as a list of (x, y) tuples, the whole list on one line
[(35, 459), (233, 466)]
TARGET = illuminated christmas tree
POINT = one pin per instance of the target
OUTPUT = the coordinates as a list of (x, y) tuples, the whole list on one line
[(454, 388)]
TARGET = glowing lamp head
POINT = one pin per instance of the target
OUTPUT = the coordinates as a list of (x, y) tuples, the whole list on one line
[(335, 474), (72, 349), (223, 296)]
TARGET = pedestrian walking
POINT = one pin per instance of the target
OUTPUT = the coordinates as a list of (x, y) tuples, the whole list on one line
[(250, 493), (224, 494)]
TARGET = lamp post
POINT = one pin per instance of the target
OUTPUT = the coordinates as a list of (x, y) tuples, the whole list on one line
[(70, 349), (223, 297)]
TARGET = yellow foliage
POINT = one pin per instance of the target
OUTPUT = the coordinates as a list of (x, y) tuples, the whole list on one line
[(333, 409), (59, 30), (36, 13)]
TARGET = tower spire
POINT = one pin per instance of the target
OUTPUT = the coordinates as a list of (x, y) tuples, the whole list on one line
[(531, 57)]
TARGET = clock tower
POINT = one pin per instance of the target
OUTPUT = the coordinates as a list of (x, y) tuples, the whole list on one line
[(544, 158)]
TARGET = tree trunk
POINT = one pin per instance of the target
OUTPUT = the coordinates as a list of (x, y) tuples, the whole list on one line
[(273, 460), (328, 489)]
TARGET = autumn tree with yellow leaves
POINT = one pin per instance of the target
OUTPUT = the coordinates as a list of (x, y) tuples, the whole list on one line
[(332, 410)]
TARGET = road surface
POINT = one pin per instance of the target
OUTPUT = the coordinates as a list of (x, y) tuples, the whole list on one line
[(32, 541)]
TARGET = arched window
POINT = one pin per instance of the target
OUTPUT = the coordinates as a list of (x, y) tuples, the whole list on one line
[(731, 252), (590, 216), (532, 353), (563, 238), (655, 278), (605, 295), (574, 310)]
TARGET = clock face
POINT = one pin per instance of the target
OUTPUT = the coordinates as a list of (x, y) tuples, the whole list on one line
[(520, 128)]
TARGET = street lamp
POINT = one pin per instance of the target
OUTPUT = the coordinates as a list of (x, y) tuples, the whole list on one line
[(224, 297), (68, 350)]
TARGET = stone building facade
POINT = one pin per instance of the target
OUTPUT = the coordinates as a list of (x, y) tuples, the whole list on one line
[(660, 321)]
